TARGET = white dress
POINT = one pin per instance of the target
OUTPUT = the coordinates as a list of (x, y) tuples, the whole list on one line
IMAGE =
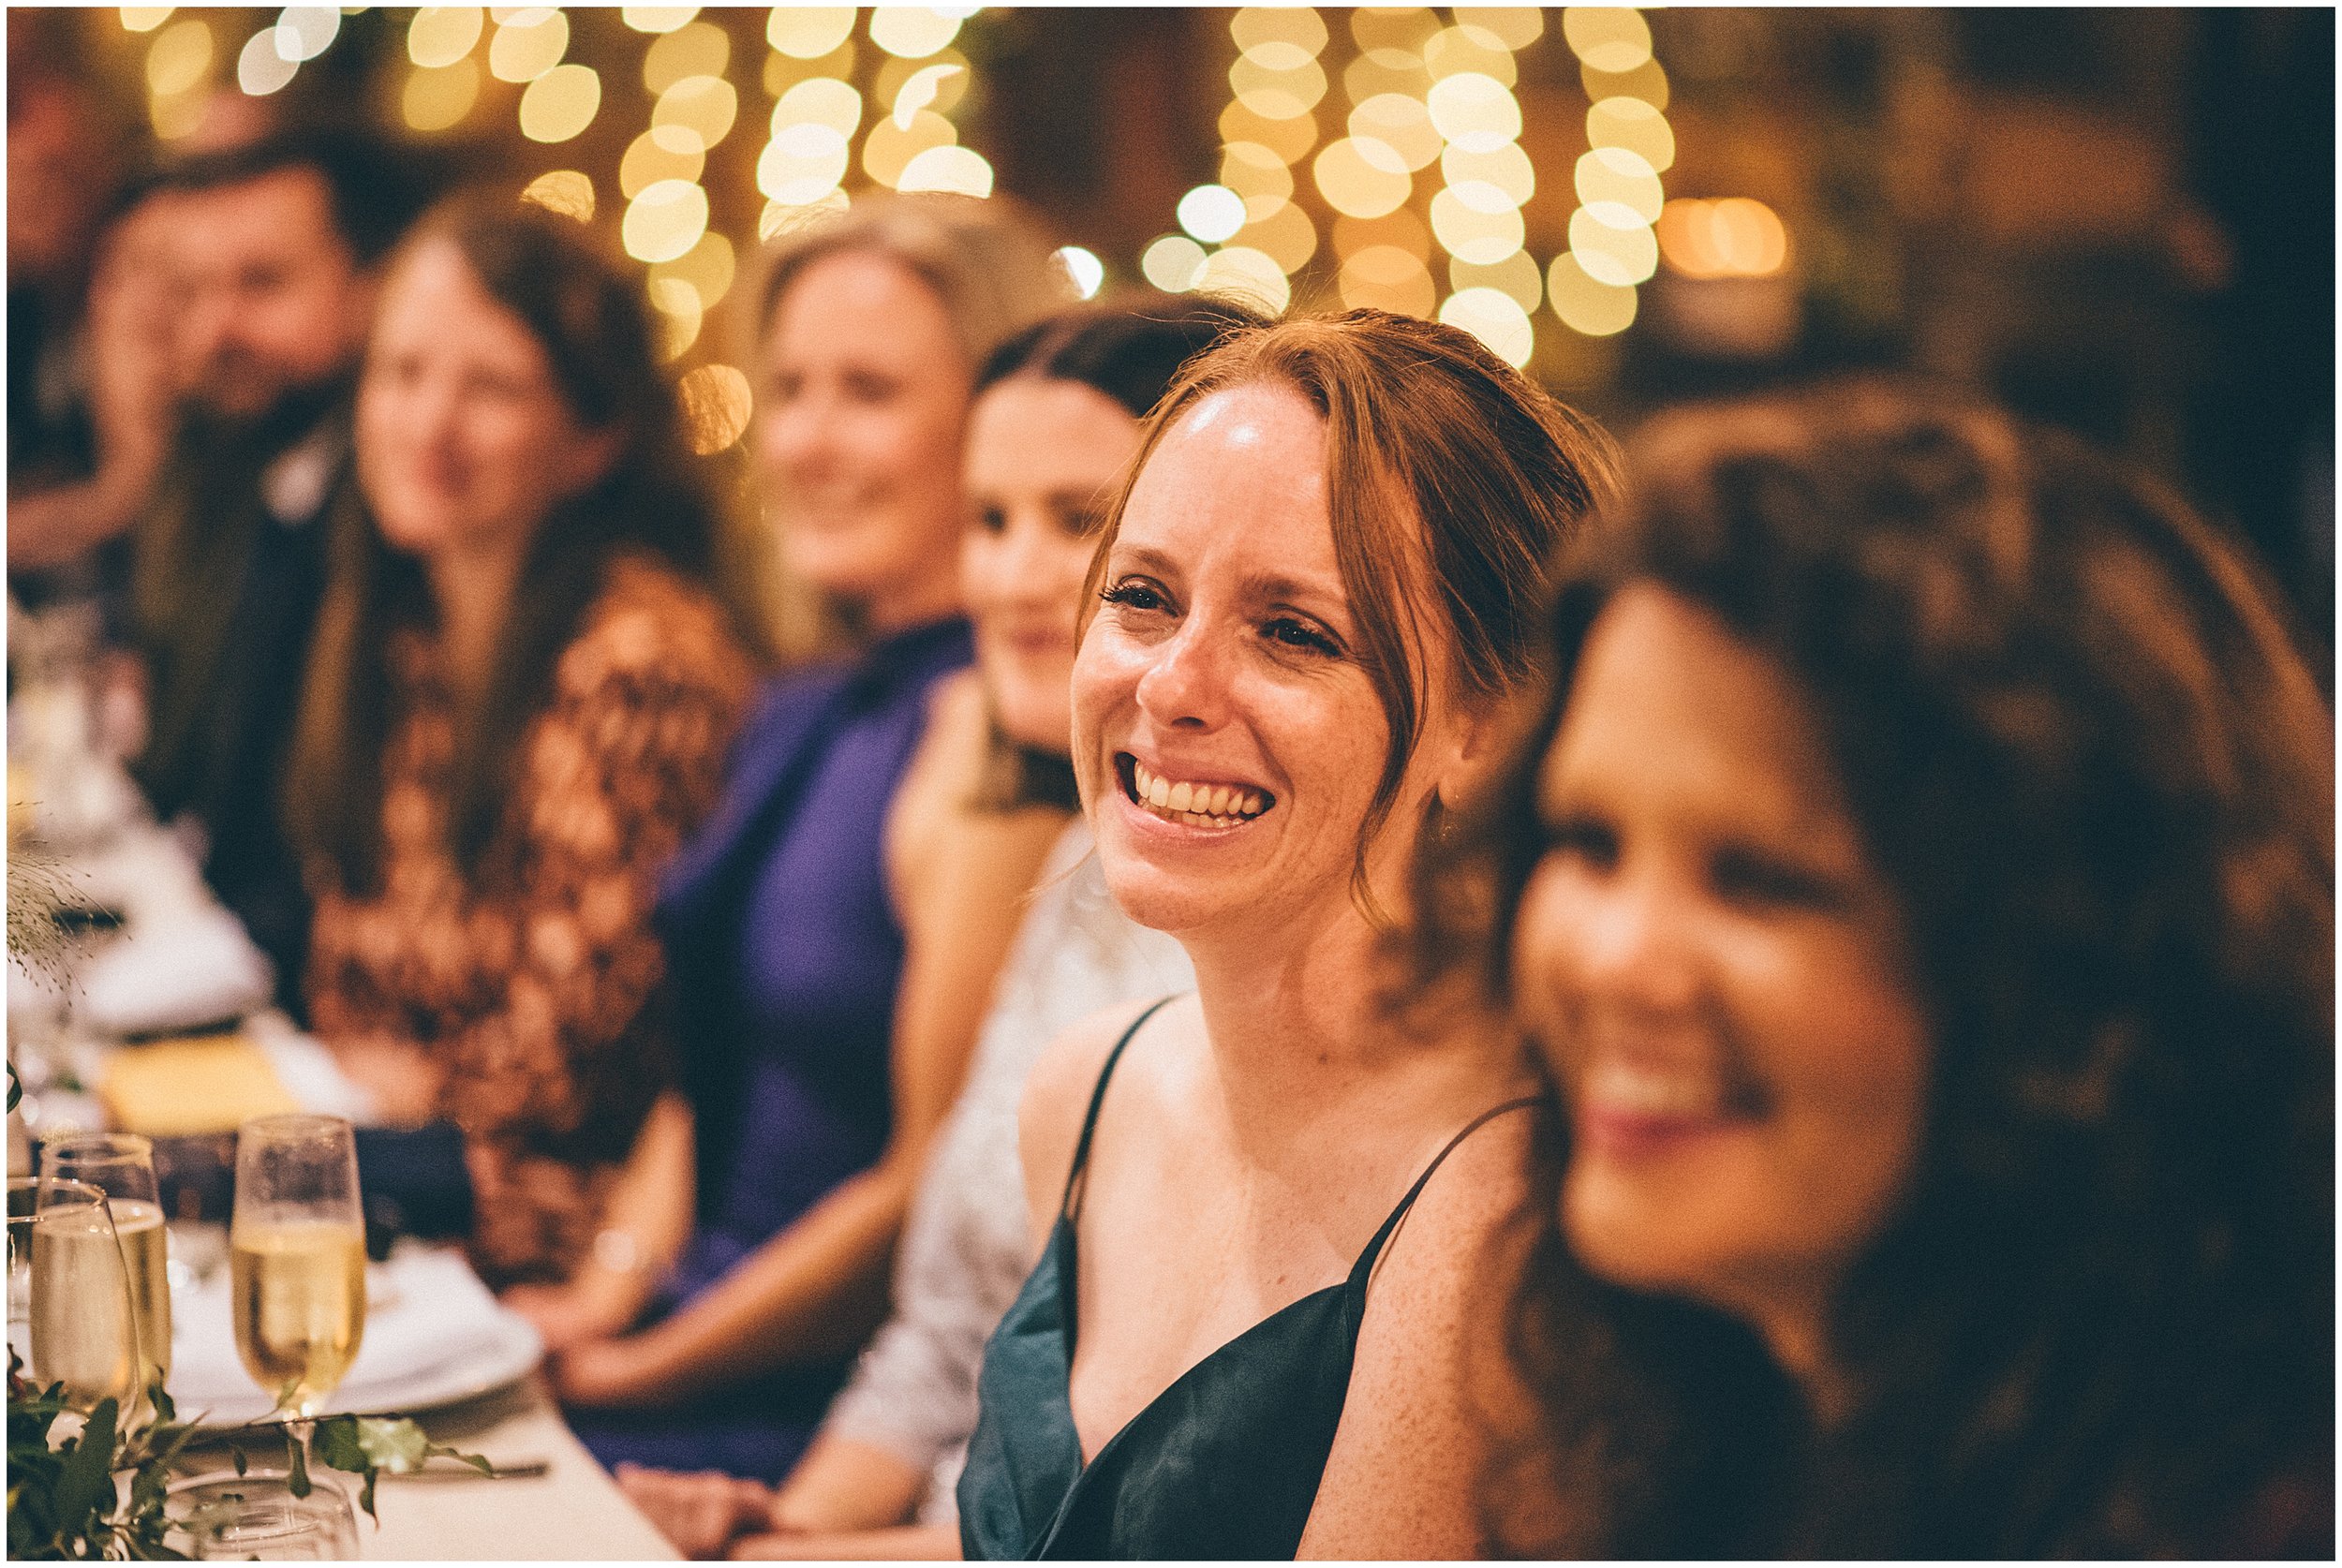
[(965, 1248)]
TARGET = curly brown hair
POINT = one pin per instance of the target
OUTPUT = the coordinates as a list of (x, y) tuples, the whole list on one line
[(2087, 754)]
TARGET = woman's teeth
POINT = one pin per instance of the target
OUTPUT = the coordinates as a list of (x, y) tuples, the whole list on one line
[(1624, 1089), (1198, 805)]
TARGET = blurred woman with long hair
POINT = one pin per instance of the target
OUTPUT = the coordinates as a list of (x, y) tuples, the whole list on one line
[(1920, 891), (519, 704)]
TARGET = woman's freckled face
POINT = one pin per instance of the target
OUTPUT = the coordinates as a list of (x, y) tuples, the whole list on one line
[(1223, 669), (459, 421), (1716, 973), (859, 427), (1044, 457)]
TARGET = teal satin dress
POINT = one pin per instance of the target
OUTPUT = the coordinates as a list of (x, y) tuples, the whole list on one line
[(1224, 1464)]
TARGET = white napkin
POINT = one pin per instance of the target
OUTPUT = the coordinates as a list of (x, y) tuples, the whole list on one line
[(174, 970)]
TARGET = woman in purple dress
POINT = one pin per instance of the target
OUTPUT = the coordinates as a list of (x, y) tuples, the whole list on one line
[(825, 1027)]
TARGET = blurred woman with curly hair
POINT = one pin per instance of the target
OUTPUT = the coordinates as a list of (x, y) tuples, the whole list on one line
[(1919, 889)]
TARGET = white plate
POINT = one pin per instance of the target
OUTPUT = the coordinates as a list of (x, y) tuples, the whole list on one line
[(435, 1337)]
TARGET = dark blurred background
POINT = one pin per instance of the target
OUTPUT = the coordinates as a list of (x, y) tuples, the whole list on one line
[(2117, 221)]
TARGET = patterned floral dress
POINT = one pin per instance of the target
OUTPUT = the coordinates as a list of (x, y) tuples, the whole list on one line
[(541, 1001)]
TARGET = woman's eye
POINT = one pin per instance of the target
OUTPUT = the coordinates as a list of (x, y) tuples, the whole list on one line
[(1750, 877), (1585, 840), (1299, 634), (1079, 523), (1133, 594), (991, 520), (863, 387)]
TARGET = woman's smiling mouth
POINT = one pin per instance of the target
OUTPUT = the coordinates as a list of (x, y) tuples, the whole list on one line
[(1193, 803)]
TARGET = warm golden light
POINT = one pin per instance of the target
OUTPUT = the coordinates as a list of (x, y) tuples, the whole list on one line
[(1646, 82), (1619, 187), (1277, 94), (803, 163), (442, 35), (1635, 126), (702, 107), (1495, 318), (259, 68), (1585, 304), (780, 217), (560, 103), (1297, 25), (438, 97), (1384, 277), (523, 51), (1610, 39), (1461, 48), (959, 171), (1246, 276), (1619, 257), (1515, 26), (565, 191), (657, 19), (662, 152), (913, 32), (1475, 113), (1506, 168), (664, 222), (1282, 230), (695, 49), (889, 148), (1211, 213), (821, 100), (809, 31), (1474, 222), (1254, 172), (1399, 123), (707, 267), (925, 88), (1516, 277), (1290, 139), (1401, 27), (306, 32), (1083, 268), (1735, 237), (1386, 70), (716, 407), (680, 313), (1173, 263), (144, 19), (1361, 179), (179, 58)]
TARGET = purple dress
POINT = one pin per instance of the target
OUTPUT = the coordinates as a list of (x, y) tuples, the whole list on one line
[(784, 950)]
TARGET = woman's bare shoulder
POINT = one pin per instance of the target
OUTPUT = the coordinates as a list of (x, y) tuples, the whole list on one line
[(1057, 1095)]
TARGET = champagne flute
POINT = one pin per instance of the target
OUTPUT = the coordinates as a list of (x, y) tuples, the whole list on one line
[(256, 1517), (22, 1191), (122, 1166), (297, 1259), (84, 1330)]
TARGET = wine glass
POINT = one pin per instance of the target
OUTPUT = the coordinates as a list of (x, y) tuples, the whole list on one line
[(256, 1517), (21, 1193), (122, 1166), (297, 1259), (84, 1331)]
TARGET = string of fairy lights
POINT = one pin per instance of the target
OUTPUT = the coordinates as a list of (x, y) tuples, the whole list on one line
[(1415, 198)]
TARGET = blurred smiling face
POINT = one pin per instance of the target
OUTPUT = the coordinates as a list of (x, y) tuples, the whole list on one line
[(1714, 972), (1042, 459), (463, 439), (1226, 735), (859, 427)]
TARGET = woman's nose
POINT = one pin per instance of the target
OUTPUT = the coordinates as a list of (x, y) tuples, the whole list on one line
[(1637, 943), (1186, 680)]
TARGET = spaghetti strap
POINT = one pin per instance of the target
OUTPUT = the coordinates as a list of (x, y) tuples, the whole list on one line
[(1097, 1099), (1365, 1265)]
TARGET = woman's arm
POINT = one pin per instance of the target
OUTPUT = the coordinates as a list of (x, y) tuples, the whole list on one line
[(817, 1289), (644, 1226), (1428, 1390)]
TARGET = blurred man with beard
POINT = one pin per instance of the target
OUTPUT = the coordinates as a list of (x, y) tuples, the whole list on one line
[(277, 244)]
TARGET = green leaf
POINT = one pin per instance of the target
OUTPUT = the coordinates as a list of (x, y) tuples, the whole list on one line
[(336, 1443), (242, 1464), (87, 1474), (296, 1466)]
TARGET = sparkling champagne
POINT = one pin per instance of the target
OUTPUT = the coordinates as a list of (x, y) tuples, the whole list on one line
[(147, 1256), (83, 1333), (300, 1302)]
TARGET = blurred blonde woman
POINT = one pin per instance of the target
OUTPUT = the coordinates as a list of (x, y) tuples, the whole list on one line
[(836, 929)]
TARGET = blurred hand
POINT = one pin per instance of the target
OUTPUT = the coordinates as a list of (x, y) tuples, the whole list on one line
[(134, 372), (566, 1314), (700, 1513), (403, 1082), (613, 1373)]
